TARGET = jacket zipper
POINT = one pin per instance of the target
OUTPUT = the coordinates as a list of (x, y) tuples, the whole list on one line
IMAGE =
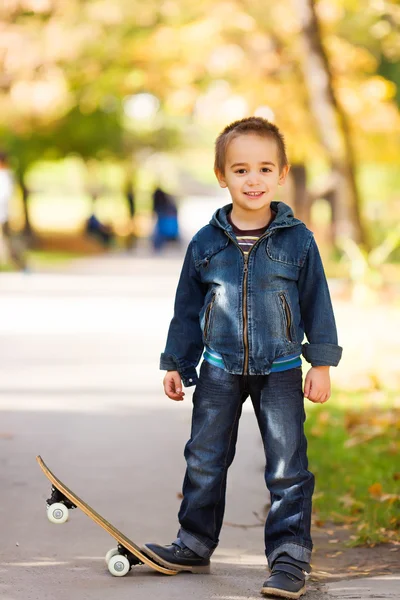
[(207, 317), (244, 303), (245, 327), (288, 317)]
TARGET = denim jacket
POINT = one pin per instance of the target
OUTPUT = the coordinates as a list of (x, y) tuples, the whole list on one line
[(251, 309)]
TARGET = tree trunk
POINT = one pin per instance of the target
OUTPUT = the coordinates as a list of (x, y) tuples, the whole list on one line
[(25, 198), (301, 198), (332, 125)]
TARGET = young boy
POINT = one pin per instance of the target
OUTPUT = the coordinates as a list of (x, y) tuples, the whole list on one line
[(252, 284)]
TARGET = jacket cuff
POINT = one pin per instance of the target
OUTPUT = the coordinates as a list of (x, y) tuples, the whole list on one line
[(320, 355), (188, 373), (168, 362)]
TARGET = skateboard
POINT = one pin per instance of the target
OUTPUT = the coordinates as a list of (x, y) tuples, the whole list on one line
[(119, 560)]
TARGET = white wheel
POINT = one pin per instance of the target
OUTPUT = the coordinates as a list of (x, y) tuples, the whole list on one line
[(110, 554), (57, 513), (118, 565)]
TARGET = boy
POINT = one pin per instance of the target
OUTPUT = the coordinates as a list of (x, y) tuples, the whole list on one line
[(252, 284)]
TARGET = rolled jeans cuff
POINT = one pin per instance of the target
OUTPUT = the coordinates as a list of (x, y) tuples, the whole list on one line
[(296, 551), (194, 544)]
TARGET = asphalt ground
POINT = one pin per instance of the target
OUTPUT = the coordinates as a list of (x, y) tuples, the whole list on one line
[(79, 384)]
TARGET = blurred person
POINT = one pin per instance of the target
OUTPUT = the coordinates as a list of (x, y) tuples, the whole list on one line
[(94, 228), (11, 244), (252, 285), (166, 227)]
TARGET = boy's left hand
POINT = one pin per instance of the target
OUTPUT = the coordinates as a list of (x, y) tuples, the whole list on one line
[(317, 386)]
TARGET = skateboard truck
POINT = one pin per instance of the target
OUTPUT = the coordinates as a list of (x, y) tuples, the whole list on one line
[(58, 506), (133, 560)]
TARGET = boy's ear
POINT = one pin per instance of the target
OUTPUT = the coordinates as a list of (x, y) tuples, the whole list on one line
[(221, 178), (283, 174)]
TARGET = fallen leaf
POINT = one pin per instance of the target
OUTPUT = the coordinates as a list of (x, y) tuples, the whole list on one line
[(242, 525), (318, 523), (376, 490), (344, 518), (349, 502), (346, 500), (317, 495), (324, 417), (317, 432), (389, 498)]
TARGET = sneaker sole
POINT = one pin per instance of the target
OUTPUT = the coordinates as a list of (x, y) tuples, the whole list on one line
[(164, 563), (270, 591)]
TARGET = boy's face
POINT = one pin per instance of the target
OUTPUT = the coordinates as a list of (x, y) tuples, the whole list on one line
[(252, 172)]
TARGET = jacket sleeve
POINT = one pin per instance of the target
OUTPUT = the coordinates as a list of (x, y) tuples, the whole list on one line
[(317, 312), (185, 339)]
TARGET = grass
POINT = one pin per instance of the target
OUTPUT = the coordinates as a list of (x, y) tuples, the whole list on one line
[(52, 257), (353, 449), (37, 259)]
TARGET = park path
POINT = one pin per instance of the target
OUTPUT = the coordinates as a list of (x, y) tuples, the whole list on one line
[(79, 384)]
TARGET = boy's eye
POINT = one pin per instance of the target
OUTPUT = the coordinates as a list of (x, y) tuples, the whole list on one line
[(264, 170)]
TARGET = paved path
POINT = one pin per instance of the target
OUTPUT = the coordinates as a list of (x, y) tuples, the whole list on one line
[(79, 384)]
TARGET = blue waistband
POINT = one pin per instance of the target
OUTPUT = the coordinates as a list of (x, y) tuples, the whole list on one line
[(280, 364)]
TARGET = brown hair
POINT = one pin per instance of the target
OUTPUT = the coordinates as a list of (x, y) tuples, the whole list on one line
[(255, 125)]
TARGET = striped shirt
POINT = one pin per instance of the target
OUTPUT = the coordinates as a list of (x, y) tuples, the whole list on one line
[(246, 240)]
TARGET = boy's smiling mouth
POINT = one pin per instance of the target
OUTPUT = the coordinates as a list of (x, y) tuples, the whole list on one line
[(254, 194)]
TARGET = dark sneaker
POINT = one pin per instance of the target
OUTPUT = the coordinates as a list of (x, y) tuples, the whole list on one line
[(287, 579), (177, 557)]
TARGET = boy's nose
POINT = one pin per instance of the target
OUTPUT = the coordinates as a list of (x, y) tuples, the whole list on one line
[(252, 178)]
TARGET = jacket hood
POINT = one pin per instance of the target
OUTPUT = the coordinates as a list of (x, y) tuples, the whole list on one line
[(284, 216)]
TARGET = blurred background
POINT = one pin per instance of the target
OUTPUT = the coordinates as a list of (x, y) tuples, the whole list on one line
[(101, 102), (108, 115)]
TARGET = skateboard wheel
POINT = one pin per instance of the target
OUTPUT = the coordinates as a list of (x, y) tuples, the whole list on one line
[(57, 513), (110, 554), (118, 565)]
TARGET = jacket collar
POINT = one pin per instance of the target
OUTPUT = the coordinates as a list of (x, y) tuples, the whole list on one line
[(284, 217)]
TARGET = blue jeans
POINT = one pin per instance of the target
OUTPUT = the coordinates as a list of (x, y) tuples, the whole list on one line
[(278, 403)]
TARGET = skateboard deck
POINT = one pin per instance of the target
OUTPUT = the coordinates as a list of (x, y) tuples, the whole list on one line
[(122, 558)]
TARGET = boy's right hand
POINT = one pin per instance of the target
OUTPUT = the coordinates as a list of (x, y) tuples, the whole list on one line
[(173, 385)]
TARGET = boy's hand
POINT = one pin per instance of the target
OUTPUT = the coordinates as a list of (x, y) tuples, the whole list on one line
[(317, 386), (173, 385)]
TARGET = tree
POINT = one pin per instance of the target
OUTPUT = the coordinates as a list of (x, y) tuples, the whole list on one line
[(333, 125), (68, 69)]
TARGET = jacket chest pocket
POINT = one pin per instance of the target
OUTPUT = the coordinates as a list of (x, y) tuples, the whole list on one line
[(283, 263)]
